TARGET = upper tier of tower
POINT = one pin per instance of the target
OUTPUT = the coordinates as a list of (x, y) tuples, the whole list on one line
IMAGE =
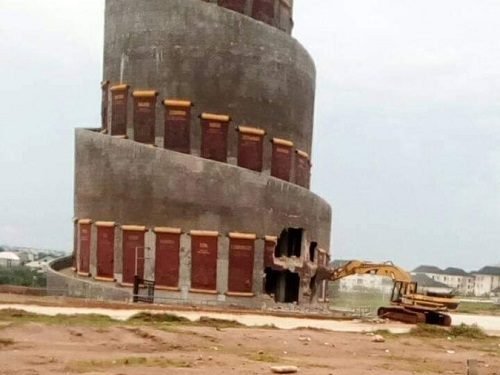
[(221, 60), (277, 13)]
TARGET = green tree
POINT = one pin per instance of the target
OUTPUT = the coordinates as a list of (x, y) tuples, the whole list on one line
[(22, 276)]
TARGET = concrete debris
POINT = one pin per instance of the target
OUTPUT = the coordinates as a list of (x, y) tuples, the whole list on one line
[(284, 369), (450, 351), (378, 338), (304, 338)]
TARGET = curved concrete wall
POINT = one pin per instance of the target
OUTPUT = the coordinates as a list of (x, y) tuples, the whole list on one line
[(131, 183), (223, 61)]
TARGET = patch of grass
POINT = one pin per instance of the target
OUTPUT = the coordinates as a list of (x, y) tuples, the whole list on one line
[(218, 323), (145, 317), (171, 319), (479, 308), (99, 365), (264, 357), (470, 332), (386, 333), (461, 331), (20, 316), (426, 330)]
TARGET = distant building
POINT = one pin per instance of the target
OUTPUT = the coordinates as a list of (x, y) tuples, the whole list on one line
[(9, 259), (456, 278), (487, 280), (425, 284), (40, 265)]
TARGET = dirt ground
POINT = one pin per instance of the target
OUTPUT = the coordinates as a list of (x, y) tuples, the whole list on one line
[(32, 345)]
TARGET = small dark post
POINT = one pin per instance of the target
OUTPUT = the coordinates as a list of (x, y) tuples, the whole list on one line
[(137, 282)]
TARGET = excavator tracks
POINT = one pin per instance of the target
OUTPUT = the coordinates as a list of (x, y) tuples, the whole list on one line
[(414, 316)]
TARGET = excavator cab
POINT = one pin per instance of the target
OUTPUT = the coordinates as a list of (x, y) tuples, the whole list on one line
[(401, 289)]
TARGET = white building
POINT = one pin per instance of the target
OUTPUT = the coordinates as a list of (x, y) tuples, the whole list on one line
[(365, 283), (41, 264), (456, 278), (487, 280), (9, 259), (425, 284)]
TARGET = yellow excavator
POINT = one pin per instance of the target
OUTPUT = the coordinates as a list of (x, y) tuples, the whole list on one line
[(407, 305)]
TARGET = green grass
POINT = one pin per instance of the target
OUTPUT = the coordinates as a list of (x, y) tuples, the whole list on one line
[(169, 320), (145, 317), (479, 308), (20, 316), (461, 331), (99, 365), (163, 321), (264, 357)]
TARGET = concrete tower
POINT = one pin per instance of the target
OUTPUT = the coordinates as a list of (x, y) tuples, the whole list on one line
[(199, 176)]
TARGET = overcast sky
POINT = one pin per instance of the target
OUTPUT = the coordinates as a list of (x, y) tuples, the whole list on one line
[(407, 134)]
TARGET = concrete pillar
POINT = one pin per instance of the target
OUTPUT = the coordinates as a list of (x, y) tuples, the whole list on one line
[(185, 265), (249, 8), (130, 114), (258, 269), (75, 243), (222, 267), (93, 251), (118, 255), (150, 255), (277, 13), (159, 122)]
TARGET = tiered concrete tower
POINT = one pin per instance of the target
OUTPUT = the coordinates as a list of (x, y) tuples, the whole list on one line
[(199, 177)]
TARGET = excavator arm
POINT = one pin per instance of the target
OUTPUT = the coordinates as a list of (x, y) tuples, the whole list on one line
[(357, 267)]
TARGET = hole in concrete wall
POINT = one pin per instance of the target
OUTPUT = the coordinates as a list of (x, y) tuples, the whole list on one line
[(312, 251), (284, 286), (290, 243)]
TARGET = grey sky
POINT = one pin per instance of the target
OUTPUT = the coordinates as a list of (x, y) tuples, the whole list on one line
[(407, 136)]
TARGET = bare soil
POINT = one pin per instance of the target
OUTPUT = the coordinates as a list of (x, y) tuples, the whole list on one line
[(96, 346)]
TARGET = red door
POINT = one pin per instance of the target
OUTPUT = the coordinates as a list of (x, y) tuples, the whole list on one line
[(250, 148), (167, 259), (204, 262), (119, 105), (144, 116), (85, 241), (105, 251), (302, 169), (241, 263), (282, 159), (236, 5), (133, 245), (178, 126), (214, 137), (270, 246), (263, 10)]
